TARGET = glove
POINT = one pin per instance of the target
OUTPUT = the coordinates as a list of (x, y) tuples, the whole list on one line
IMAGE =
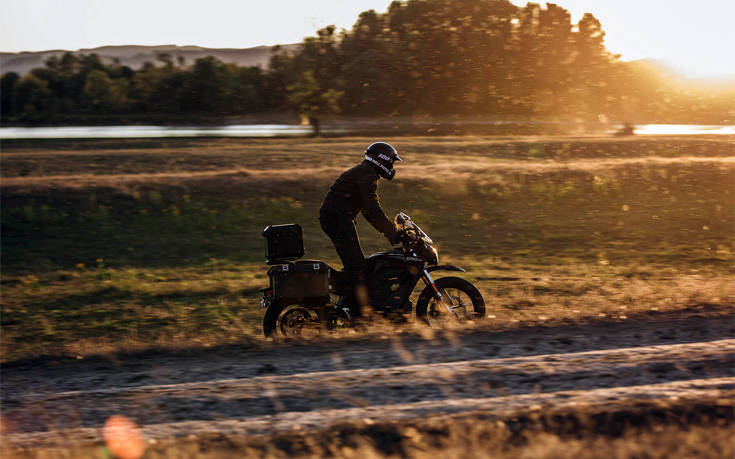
[(396, 237)]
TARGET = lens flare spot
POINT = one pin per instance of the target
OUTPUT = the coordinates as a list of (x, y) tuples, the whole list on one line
[(123, 437)]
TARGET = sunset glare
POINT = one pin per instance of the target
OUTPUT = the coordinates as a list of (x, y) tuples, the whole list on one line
[(695, 40)]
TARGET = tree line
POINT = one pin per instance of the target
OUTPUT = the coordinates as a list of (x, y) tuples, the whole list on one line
[(72, 85), (435, 58)]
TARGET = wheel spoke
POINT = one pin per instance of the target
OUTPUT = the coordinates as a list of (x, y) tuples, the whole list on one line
[(298, 321), (459, 303)]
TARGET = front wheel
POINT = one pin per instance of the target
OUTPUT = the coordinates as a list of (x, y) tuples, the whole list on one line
[(460, 302)]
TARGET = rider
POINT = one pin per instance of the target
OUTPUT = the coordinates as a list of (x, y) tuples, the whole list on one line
[(355, 192)]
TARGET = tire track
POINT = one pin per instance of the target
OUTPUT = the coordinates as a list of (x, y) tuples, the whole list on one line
[(263, 404), (506, 406), (589, 361)]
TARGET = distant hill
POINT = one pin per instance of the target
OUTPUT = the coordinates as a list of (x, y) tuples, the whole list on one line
[(134, 56)]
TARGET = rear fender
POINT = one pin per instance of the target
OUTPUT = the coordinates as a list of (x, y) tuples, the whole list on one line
[(267, 299)]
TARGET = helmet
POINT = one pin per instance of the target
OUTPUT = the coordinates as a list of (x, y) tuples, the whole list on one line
[(383, 155)]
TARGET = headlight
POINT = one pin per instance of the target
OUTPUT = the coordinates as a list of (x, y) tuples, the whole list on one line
[(428, 253)]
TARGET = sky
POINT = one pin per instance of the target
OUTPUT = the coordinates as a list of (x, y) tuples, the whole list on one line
[(694, 37)]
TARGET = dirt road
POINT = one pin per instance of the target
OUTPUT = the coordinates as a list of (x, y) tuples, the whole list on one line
[(279, 387)]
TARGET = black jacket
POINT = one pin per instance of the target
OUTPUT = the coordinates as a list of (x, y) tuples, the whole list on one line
[(355, 192)]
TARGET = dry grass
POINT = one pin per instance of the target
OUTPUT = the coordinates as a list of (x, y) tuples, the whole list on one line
[(183, 156), (90, 311), (634, 429)]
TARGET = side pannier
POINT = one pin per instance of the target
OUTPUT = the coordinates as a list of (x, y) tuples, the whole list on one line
[(303, 282)]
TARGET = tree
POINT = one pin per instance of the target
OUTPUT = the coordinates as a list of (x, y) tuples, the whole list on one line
[(31, 98), (246, 89), (592, 66), (369, 76), (311, 100), (103, 94), (204, 87), (311, 76), (7, 84)]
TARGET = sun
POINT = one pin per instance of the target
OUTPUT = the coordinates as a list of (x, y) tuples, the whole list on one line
[(694, 40)]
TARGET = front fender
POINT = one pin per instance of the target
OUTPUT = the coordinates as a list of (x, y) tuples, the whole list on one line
[(445, 268)]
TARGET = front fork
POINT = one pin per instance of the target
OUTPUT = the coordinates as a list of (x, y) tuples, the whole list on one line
[(430, 282), (445, 299)]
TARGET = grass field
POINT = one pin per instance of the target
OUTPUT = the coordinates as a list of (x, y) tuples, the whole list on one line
[(123, 245)]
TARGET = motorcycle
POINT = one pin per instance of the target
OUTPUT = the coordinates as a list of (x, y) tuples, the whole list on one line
[(307, 295)]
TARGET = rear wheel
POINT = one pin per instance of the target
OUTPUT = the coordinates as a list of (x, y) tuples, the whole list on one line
[(461, 302), (291, 321)]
